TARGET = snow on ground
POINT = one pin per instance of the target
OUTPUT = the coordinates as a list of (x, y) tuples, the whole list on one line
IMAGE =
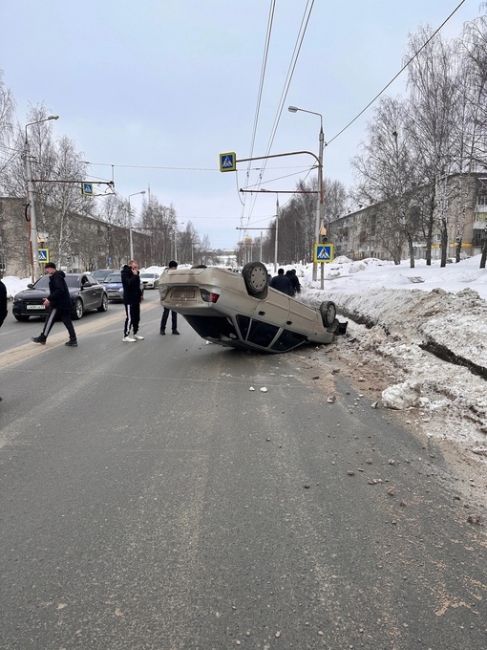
[(429, 324)]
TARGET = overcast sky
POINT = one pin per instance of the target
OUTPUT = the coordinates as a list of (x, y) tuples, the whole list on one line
[(171, 83)]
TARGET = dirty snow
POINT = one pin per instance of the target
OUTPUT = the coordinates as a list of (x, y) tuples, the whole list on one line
[(408, 317)]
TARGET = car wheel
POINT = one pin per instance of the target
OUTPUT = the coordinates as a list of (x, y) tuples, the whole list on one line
[(328, 313), (78, 309), (21, 319), (104, 303), (255, 278)]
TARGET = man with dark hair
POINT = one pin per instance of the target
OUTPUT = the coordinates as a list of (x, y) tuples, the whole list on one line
[(132, 296), (58, 302), (172, 266), (293, 278), (3, 305), (282, 283)]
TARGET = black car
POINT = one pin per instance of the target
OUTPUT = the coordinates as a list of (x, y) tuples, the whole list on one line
[(86, 294)]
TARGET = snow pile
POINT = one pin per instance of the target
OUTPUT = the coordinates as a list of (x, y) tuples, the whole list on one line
[(14, 284), (433, 332)]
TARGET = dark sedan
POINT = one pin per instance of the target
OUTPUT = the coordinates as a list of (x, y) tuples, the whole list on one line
[(86, 294)]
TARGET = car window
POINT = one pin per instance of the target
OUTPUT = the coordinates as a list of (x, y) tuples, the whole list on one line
[(73, 281), (42, 283), (113, 277), (262, 333), (287, 341)]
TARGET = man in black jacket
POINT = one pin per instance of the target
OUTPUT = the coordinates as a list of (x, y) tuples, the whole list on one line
[(132, 295), (282, 283), (293, 278), (58, 302)]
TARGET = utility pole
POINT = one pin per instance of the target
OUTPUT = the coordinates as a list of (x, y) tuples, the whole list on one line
[(31, 197)]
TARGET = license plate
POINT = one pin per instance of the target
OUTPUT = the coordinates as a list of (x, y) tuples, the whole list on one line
[(183, 293), (35, 307)]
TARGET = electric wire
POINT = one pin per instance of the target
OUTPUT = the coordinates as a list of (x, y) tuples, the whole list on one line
[(291, 68), (396, 75), (270, 20)]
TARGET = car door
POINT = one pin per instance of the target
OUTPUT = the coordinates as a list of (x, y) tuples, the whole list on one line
[(87, 291), (96, 291), (270, 316)]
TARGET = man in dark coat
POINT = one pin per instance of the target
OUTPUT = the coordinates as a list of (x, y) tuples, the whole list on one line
[(293, 278), (3, 305), (132, 296), (58, 302), (172, 266), (282, 283)]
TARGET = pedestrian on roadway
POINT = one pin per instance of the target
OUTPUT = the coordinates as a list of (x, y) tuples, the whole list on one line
[(172, 266), (282, 283), (293, 278), (57, 303), (132, 297), (3, 305)]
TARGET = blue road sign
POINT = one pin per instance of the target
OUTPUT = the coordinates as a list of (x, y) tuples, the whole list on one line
[(43, 255), (87, 188), (324, 253), (228, 161)]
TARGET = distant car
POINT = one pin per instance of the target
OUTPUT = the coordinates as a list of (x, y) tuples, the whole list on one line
[(114, 287), (86, 294), (241, 310), (101, 274), (150, 280)]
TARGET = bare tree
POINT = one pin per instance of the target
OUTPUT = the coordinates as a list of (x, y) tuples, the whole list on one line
[(388, 178), (434, 101)]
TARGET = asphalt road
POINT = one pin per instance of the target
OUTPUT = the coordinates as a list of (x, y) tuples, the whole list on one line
[(149, 500)]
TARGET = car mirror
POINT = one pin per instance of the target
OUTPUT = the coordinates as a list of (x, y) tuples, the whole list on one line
[(30, 285)]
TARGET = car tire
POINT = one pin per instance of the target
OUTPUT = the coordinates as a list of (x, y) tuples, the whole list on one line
[(78, 310), (255, 278), (328, 313), (20, 318), (104, 303)]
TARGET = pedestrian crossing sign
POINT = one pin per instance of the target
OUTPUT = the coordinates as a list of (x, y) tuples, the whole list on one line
[(43, 255), (228, 161), (324, 253), (87, 188)]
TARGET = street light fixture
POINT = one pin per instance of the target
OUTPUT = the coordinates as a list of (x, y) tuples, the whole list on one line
[(130, 224), (320, 206), (31, 198)]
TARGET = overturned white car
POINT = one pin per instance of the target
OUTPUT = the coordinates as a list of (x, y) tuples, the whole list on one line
[(241, 310)]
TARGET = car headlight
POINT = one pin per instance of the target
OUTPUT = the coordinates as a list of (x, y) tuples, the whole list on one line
[(17, 299)]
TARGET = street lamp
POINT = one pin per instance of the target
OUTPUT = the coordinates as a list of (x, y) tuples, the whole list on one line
[(320, 205), (130, 224), (31, 196)]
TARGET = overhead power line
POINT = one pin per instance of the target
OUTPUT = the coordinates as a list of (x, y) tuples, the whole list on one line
[(290, 72), (398, 74)]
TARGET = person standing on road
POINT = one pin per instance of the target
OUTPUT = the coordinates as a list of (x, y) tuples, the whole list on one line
[(282, 283), (58, 303), (172, 266), (132, 297), (3, 305), (293, 278)]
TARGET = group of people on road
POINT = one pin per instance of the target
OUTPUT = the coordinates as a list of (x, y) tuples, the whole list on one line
[(287, 282), (133, 296), (58, 303)]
